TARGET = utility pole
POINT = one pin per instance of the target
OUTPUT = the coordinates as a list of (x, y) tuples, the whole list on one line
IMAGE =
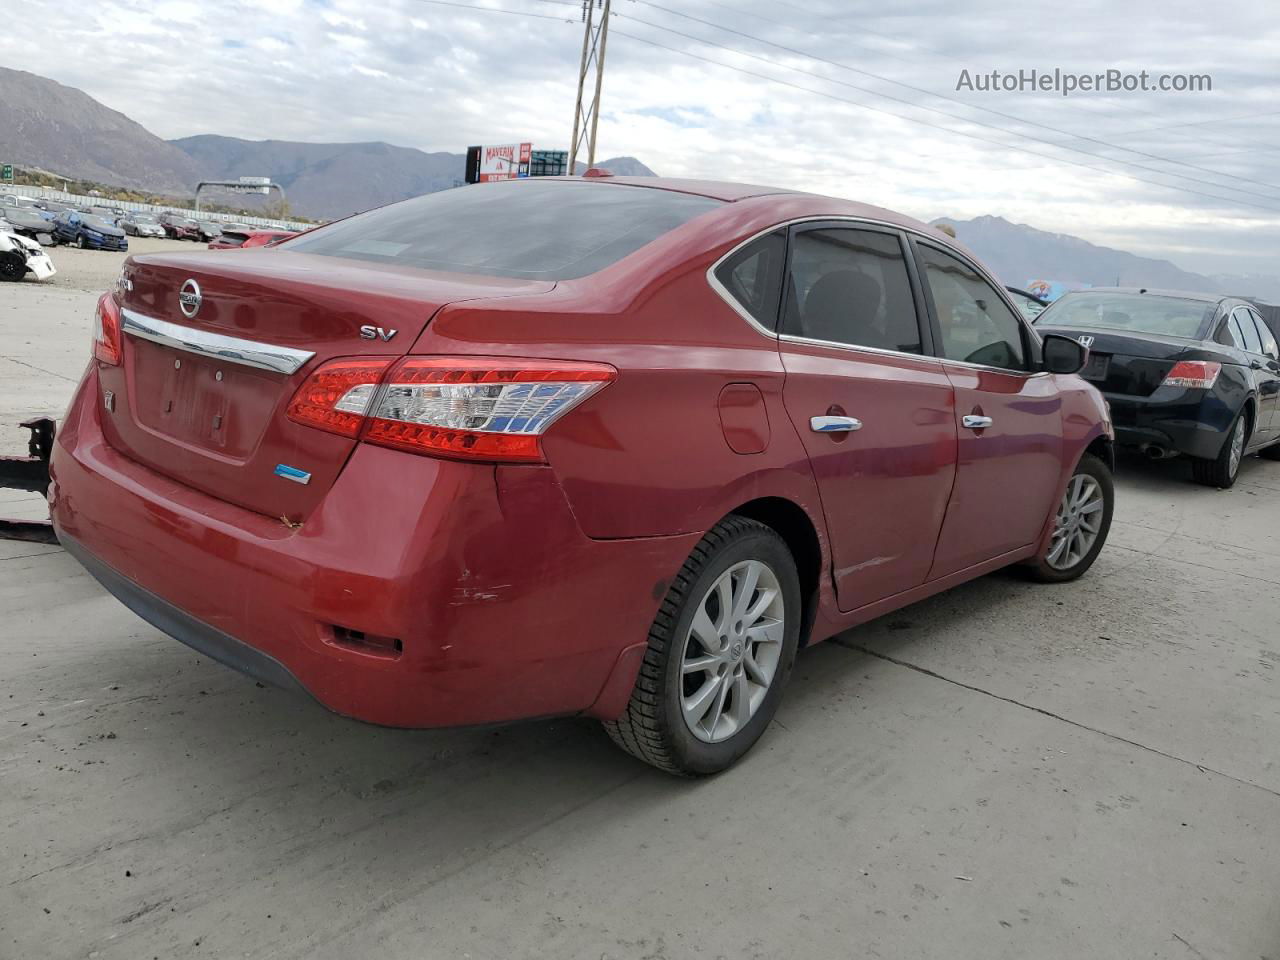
[(595, 36)]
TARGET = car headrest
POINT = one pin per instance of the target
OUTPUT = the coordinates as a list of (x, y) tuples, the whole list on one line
[(840, 302)]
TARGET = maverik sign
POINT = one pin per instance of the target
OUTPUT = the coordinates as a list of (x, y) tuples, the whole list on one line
[(505, 161)]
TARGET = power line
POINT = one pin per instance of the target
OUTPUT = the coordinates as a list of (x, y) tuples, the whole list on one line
[(998, 113), (830, 96), (1201, 123), (936, 126)]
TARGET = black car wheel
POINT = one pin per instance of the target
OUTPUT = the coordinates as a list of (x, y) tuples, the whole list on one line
[(80, 240), (1222, 470), (12, 267), (1080, 526), (1270, 453), (720, 652)]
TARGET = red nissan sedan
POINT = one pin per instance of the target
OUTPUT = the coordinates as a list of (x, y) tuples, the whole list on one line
[(613, 447)]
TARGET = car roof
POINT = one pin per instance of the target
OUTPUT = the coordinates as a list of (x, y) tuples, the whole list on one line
[(790, 204), (713, 189), (1148, 291)]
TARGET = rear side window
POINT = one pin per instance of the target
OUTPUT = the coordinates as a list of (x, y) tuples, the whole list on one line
[(753, 277), (851, 287), (548, 230)]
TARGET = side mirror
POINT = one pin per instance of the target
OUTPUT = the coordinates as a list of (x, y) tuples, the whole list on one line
[(1063, 355)]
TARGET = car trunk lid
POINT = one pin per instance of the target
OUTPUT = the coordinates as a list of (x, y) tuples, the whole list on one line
[(1133, 364), (202, 399)]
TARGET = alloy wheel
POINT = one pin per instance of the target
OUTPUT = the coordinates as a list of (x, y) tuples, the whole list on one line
[(1079, 520), (732, 651), (1237, 447)]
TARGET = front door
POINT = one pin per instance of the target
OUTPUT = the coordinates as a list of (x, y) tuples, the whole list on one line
[(874, 412), (1008, 418)]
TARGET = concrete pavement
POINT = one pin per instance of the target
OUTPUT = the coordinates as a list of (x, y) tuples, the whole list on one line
[(1004, 771)]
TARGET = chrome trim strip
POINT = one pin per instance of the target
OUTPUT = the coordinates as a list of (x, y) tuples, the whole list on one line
[(939, 240), (217, 346), (1026, 374), (858, 348)]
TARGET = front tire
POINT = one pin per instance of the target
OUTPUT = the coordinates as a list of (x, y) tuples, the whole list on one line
[(720, 652), (11, 268), (80, 241), (1223, 469), (1080, 526)]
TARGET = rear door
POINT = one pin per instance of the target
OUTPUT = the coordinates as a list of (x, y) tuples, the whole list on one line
[(873, 410), (1265, 364), (1007, 416)]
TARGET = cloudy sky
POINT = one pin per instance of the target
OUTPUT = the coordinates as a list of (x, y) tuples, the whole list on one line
[(846, 97)]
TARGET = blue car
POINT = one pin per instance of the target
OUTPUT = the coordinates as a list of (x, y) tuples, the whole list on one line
[(86, 230)]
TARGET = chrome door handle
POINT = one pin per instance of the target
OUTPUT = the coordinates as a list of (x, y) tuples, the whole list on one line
[(975, 422), (834, 424)]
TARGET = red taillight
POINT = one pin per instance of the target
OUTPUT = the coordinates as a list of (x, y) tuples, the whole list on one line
[(1193, 374), (336, 397), (473, 408), (106, 331), (479, 408)]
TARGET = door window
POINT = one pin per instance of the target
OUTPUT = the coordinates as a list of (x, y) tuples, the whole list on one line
[(1252, 342), (851, 287), (753, 277), (1269, 346), (976, 324)]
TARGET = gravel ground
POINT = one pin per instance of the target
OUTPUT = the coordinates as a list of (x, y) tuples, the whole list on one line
[(1003, 771)]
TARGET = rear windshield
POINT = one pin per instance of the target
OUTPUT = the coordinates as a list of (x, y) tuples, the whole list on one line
[(538, 230), (1134, 312)]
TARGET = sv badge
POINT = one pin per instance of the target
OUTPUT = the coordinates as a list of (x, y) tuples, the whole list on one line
[(370, 332)]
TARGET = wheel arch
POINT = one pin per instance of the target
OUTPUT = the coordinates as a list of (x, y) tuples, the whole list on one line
[(1250, 409), (797, 529), (1104, 449)]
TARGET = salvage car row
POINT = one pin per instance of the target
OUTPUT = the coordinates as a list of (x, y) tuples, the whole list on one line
[(105, 227)]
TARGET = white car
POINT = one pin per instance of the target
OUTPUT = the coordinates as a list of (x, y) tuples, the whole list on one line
[(20, 255)]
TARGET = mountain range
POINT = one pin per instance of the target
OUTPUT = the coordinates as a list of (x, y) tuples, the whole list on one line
[(50, 126), (1019, 254), (47, 125)]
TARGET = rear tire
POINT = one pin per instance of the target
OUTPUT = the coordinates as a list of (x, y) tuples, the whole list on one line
[(730, 619), (1084, 512), (1270, 453), (1222, 470), (80, 241)]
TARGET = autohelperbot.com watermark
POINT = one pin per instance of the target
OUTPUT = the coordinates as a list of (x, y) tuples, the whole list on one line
[(1066, 82)]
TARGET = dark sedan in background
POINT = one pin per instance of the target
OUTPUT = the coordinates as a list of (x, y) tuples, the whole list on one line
[(29, 222), (87, 231), (1184, 373)]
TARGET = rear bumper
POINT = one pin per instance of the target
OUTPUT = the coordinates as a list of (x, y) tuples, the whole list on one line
[(504, 609), (180, 625), (1192, 422)]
